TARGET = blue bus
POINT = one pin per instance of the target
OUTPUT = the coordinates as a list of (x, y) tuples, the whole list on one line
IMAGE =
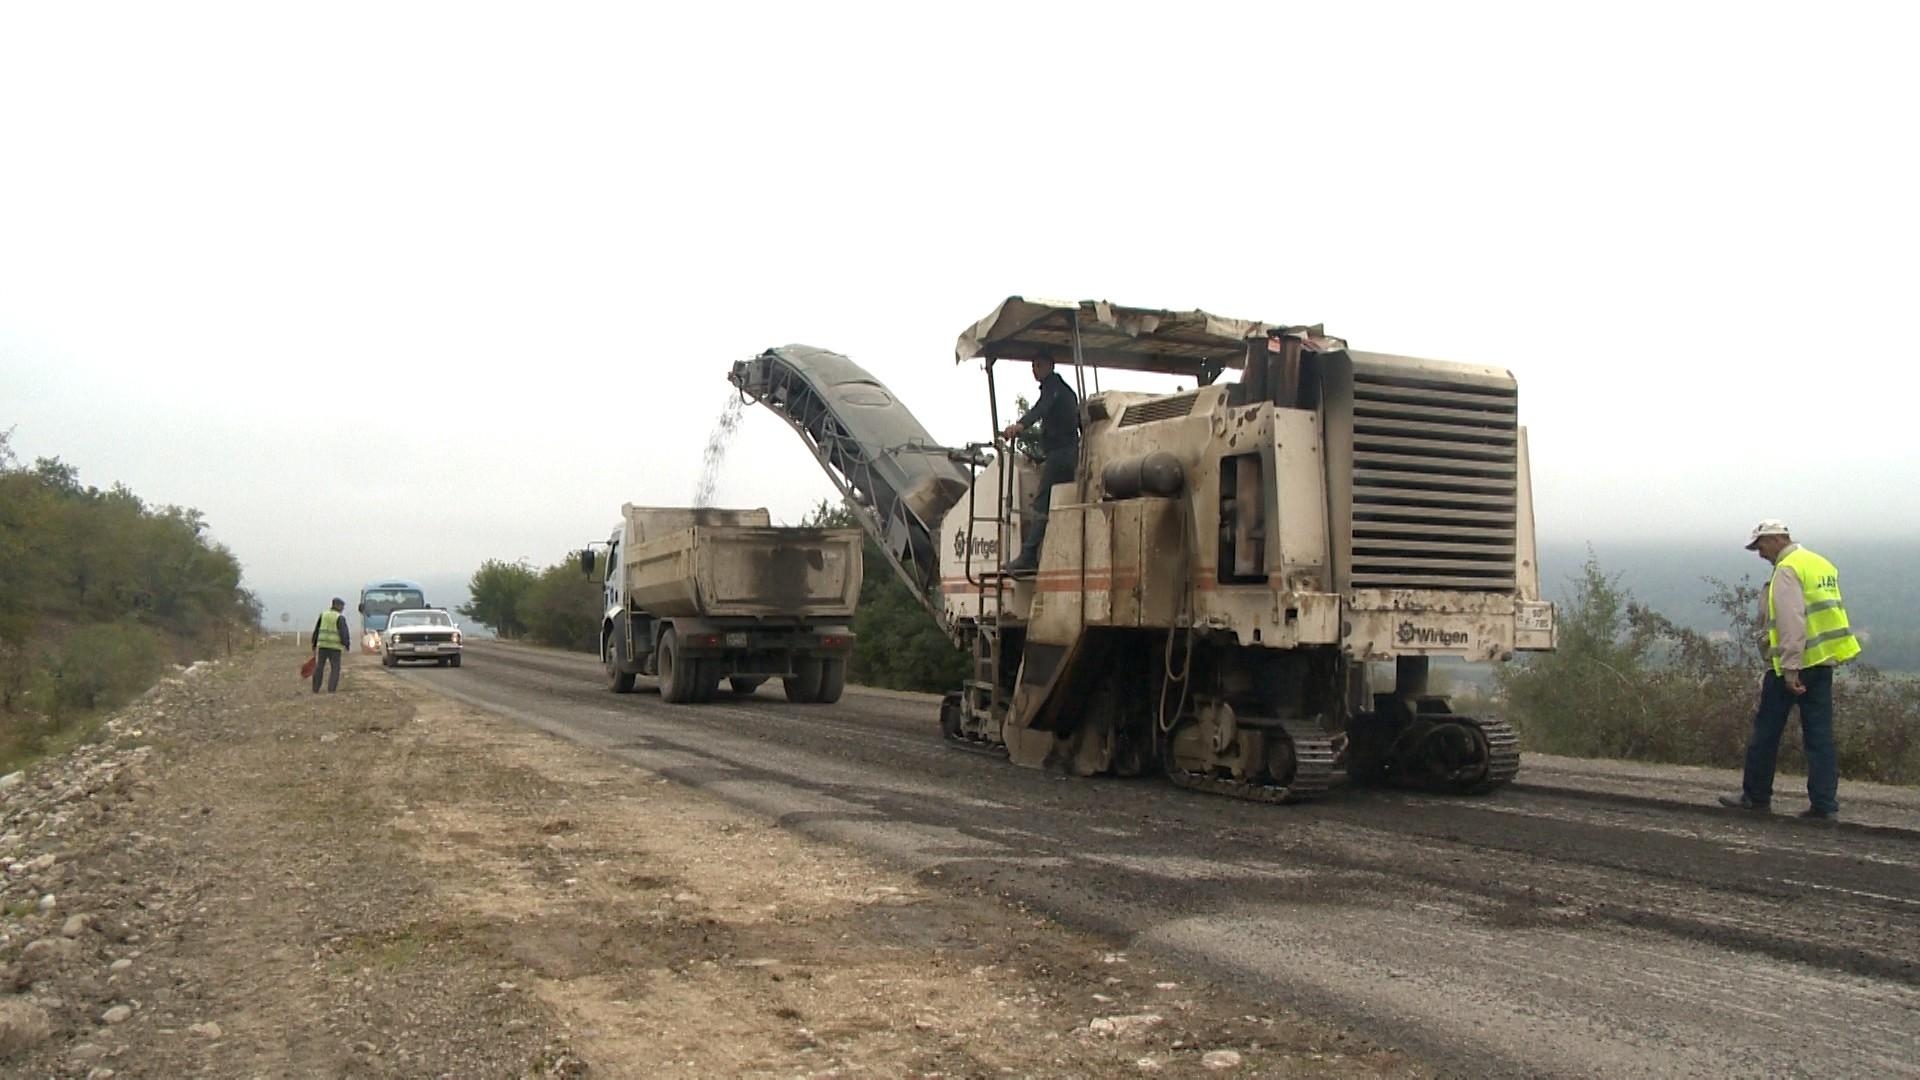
[(379, 599)]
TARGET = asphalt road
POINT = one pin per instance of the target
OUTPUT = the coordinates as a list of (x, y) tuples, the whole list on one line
[(1579, 925)]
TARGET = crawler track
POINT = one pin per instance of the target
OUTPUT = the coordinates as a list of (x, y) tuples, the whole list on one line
[(1313, 773)]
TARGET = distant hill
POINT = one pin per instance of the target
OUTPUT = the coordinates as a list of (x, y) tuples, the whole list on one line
[(1877, 577)]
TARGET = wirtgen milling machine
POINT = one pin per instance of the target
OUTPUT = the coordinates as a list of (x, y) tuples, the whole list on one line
[(1230, 563)]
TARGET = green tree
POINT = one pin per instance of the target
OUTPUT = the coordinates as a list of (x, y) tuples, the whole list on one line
[(98, 591), (495, 592), (562, 607)]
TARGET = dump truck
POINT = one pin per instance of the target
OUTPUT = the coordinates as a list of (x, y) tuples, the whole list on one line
[(1246, 583), (695, 596)]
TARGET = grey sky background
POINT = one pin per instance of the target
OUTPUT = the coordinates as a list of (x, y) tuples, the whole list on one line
[(390, 289)]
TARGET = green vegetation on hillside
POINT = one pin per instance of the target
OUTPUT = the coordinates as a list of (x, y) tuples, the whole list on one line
[(98, 593), (1628, 682)]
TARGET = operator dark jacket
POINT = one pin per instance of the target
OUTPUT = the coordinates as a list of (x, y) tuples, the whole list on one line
[(1058, 413), (344, 636)]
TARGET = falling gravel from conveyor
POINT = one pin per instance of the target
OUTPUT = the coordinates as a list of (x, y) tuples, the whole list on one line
[(715, 454)]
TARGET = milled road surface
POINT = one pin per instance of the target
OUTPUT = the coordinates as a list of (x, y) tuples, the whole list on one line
[(1588, 922)]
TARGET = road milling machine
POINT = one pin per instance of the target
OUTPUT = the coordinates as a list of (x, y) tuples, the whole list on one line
[(1247, 580)]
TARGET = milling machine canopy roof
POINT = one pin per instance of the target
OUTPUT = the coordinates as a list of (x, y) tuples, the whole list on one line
[(1194, 344)]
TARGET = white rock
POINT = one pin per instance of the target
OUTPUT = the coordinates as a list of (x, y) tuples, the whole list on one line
[(1147, 1064), (22, 1027), (208, 1030), (12, 779), (87, 1052), (1124, 1027), (1220, 1059), (47, 903), (75, 926), (121, 964), (44, 862), (119, 1014)]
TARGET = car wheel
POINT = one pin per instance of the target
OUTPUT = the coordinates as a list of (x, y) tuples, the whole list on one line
[(387, 660), (454, 662)]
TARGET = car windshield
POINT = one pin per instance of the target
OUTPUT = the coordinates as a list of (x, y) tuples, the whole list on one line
[(381, 601), (419, 618)]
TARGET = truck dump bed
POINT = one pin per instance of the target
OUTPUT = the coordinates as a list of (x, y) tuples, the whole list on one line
[(732, 563)]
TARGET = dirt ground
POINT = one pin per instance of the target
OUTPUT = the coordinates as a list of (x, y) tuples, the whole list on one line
[(383, 883)]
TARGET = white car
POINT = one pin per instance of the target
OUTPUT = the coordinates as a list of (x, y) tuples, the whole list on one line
[(420, 634)]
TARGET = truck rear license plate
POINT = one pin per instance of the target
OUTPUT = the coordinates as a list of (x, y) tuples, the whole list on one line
[(737, 640)]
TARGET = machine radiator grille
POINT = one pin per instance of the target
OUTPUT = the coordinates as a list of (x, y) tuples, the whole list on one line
[(1435, 468), (1166, 408)]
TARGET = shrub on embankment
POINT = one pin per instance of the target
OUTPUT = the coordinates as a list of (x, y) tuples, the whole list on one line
[(98, 593), (1627, 682)]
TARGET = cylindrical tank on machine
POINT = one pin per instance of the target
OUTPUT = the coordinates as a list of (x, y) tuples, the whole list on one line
[(1157, 473)]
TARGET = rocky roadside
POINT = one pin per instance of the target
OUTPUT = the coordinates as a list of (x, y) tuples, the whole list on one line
[(243, 879)]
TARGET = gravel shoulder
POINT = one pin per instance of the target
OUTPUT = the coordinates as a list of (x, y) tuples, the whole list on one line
[(249, 880)]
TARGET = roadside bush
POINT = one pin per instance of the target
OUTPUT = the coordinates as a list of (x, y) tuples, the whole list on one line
[(1628, 682), (562, 607), (106, 665)]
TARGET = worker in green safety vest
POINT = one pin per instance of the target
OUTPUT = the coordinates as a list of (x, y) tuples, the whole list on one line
[(330, 639), (1807, 637)]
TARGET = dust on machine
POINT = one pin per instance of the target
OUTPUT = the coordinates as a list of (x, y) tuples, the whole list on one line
[(1244, 585)]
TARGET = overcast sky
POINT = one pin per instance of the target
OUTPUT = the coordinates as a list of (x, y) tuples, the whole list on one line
[(390, 289)]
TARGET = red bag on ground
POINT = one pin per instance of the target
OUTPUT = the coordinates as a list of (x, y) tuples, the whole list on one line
[(306, 669)]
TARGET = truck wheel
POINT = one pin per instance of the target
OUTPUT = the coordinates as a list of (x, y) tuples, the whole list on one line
[(455, 662), (803, 686), (679, 677), (620, 682), (833, 679), (745, 684), (708, 686)]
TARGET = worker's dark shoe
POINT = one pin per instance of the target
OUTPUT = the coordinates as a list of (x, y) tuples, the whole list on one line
[(1741, 802), (1020, 567), (1811, 814)]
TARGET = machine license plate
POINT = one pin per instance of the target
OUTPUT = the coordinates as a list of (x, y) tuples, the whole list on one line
[(737, 640), (1533, 615), (427, 648)]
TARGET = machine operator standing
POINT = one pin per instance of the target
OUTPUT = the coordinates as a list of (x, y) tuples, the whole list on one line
[(1807, 637), (1058, 414)]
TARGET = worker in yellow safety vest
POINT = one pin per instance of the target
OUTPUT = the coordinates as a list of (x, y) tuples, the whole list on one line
[(330, 639), (1807, 637)]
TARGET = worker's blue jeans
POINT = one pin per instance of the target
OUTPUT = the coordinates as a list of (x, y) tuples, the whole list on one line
[(1816, 735), (328, 662)]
